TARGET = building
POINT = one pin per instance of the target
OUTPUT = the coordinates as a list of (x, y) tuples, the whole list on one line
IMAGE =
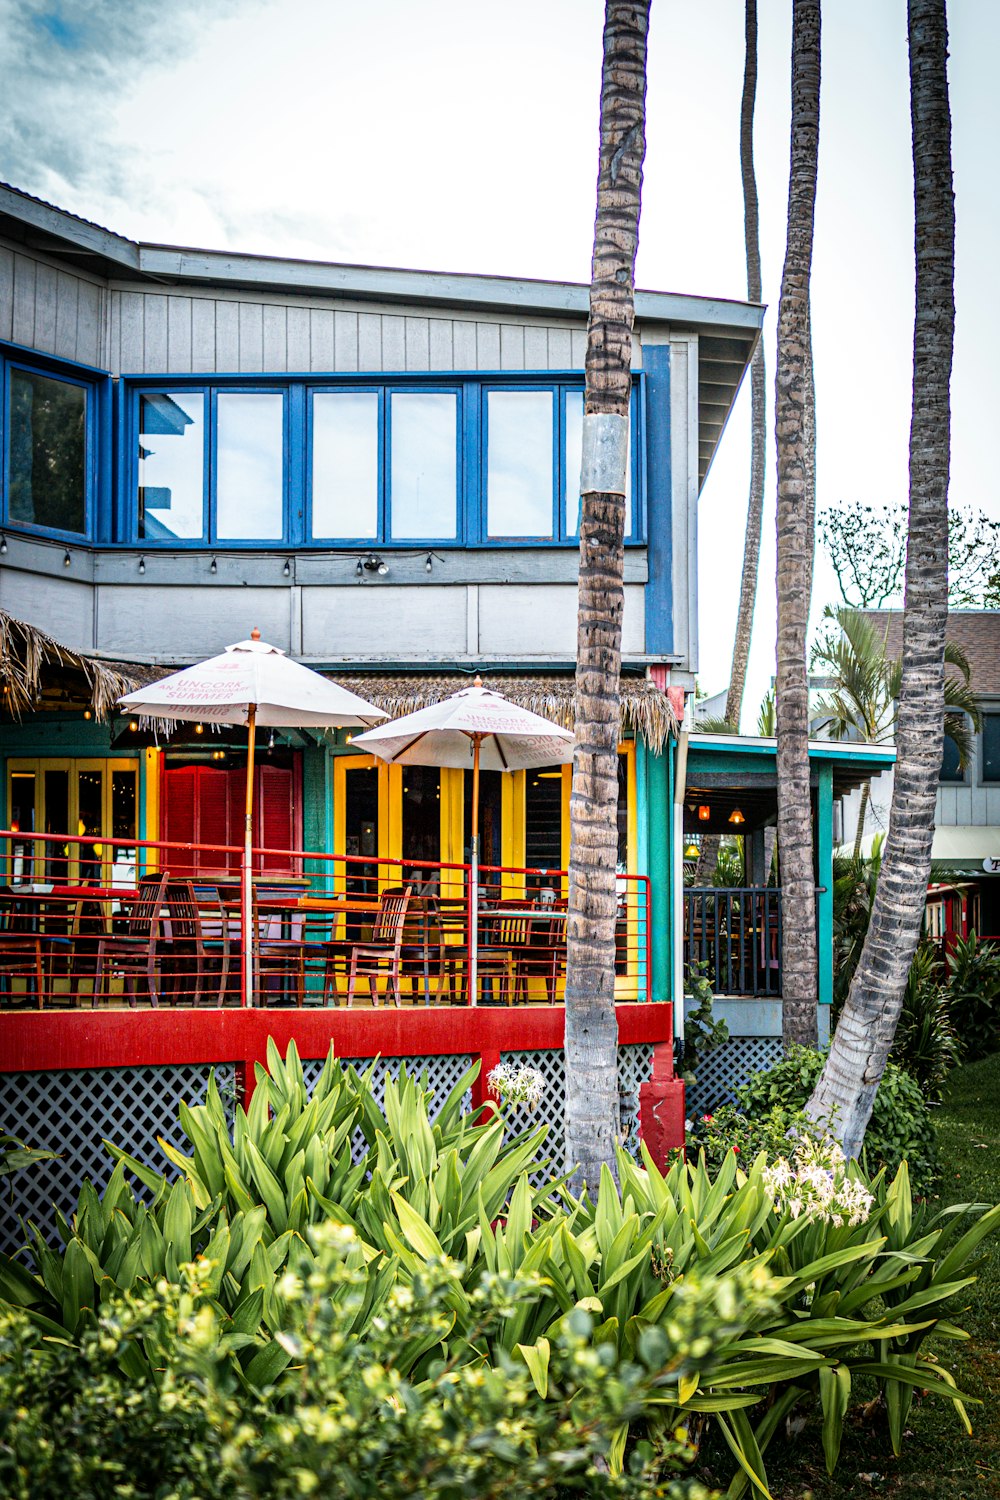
[(379, 470)]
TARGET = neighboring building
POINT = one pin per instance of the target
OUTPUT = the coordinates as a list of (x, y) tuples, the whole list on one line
[(964, 895)]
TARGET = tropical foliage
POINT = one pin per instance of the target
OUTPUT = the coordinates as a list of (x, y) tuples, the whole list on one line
[(973, 981), (699, 1298)]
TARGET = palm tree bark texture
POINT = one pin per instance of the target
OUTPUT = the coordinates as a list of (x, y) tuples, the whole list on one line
[(792, 436), (846, 1089), (592, 1105)]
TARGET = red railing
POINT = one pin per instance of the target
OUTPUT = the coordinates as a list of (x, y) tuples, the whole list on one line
[(92, 921)]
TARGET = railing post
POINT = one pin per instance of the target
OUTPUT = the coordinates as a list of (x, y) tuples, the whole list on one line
[(661, 1107), (481, 1091)]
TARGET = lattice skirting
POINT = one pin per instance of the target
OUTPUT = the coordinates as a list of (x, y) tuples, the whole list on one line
[(73, 1112), (634, 1066), (720, 1073)]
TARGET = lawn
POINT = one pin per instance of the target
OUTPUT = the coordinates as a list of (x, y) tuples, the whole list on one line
[(939, 1461)]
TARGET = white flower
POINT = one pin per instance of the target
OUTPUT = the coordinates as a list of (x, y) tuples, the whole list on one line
[(815, 1183), (517, 1083)]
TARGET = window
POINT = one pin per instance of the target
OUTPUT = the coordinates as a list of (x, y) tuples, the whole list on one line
[(409, 464), (991, 747), (950, 768), (89, 800), (47, 427)]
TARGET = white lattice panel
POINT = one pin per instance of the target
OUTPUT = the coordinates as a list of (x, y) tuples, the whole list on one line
[(72, 1112), (634, 1066), (721, 1072), (439, 1074)]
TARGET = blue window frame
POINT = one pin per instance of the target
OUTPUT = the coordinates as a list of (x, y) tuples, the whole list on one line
[(365, 460), (50, 418)]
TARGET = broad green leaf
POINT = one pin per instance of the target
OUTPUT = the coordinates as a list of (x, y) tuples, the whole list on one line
[(536, 1357)]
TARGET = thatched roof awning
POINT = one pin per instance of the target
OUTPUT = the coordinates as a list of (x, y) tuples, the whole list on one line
[(645, 709), (37, 672)]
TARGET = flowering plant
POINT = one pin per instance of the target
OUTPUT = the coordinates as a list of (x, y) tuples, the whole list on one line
[(816, 1184), (516, 1083)]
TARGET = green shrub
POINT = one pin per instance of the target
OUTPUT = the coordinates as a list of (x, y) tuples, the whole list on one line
[(901, 1128), (926, 1045), (973, 983)]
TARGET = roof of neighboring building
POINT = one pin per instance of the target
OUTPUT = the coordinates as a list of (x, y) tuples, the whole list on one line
[(728, 330), (975, 631)]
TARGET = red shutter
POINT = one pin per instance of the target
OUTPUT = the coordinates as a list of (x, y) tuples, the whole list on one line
[(180, 800), (274, 824), (215, 822)]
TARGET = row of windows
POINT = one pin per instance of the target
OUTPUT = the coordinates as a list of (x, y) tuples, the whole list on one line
[(989, 755), (204, 464)]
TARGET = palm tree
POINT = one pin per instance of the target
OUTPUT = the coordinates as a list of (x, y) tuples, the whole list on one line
[(758, 392), (793, 426), (592, 1110), (865, 691), (846, 1088)]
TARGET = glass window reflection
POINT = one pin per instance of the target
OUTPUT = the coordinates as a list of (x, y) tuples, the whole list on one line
[(573, 458), (47, 444), (519, 463), (345, 444), (424, 465), (250, 457), (171, 465)]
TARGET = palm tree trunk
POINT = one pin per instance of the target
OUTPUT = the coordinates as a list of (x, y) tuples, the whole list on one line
[(592, 1109), (758, 390), (792, 424), (846, 1089), (866, 791)]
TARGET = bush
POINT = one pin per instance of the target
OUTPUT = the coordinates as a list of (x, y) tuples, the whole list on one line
[(900, 1129), (926, 1045), (973, 983)]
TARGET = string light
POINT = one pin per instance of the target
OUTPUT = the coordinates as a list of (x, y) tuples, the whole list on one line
[(215, 566), (142, 565)]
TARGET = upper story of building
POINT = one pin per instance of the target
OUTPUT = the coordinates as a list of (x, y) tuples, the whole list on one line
[(367, 464)]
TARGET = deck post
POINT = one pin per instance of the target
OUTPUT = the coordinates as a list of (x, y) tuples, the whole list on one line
[(661, 1107)]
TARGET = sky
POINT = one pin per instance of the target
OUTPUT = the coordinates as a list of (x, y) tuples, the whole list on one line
[(461, 135)]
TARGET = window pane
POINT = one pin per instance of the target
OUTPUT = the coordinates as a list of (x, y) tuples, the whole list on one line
[(573, 459), (991, 747), (345, 464), (519, 463), (249, 494), (48, 452), (171, 464), (950, 769), (424, 465)]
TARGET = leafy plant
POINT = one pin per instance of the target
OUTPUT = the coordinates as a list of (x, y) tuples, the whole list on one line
[(973, 979), (16, 1155), (702, 1031), (926, 1044), (900, 1129)]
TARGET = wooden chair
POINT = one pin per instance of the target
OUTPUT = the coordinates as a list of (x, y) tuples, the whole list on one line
[(382, 954), (504, 953), (21, 957), (422, 956), (136, 953), (213, 924)]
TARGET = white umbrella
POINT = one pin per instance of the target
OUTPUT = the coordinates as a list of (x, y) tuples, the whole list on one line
[(485, 726), (252, 683)]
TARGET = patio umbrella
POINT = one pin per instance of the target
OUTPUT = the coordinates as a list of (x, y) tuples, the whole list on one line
[(252, 683), (482, 726)]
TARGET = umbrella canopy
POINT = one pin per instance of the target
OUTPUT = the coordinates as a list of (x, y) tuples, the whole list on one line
[(251, 683), (283, 693), (445, 734)]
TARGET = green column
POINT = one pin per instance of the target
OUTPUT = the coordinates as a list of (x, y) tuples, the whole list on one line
[(824, 902), (658, 769)]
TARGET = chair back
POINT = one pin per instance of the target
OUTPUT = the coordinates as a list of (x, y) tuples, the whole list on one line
[(143, 917), (423, 923), (388, 929), (182, 912)]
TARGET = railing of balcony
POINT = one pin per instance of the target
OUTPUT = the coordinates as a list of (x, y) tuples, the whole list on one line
[(91, 921), (732, 935)]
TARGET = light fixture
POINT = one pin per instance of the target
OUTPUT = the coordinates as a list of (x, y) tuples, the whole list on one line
[(215, 566), (3, 545), (360, 568), (704, 813), (429, 564), (691, 851), (287, 569), (349, 738), (133, 724), (142, 565), (383, 569), (736, 816), (374, 564), (67, 560), (199, 729), (86, 712), (270, 743)]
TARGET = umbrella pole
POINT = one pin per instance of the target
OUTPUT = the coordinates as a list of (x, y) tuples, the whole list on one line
[(249, 936), (474, 879)]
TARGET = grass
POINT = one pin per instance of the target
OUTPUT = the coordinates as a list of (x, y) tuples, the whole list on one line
[(939, 1461)]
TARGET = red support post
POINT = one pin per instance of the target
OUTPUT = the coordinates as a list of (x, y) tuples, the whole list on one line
[(661, 1107)]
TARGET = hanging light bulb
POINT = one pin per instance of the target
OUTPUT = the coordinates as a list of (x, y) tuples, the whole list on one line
[(359, 569), (133, 724), (736, 816), (67, 560), (199, 729), (691, 851), (86, 712), (215, 566), (429, 564), (142, 565), (287, 569), (704, 813), (3, 545)]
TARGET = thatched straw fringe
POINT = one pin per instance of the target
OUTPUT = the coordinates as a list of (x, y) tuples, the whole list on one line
[(645, 709), (24, 654)]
